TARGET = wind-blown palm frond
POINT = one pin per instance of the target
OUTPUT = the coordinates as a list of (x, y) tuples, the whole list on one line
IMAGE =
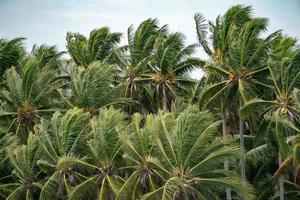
[(46, 56), (11, 53), (202, 29), (98, 46), (92, 87), (171, 64), (133, 60)]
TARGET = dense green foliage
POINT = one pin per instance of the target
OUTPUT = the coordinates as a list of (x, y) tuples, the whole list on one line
[(127, 122)]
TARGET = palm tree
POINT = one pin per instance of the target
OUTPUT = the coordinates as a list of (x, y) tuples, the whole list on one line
[(105, 157), (7, 142), (170, 66), (291, 152), (98, 46), (28, 96), (133, 59), (23, 159), (91, 87), (46, 56), (283, 66), (63, 143), (242, 76), (139, 153), (192, 156), (223, 32), (11, 53)]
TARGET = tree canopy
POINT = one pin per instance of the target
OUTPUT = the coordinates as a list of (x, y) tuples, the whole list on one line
[(109, 121)]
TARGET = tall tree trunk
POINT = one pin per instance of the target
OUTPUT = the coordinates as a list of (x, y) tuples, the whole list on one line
[(242, 146), (226, 163), (281, 179), (129, 94)]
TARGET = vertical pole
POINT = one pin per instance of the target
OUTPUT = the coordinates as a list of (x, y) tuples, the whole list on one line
[(242, 146), (281, 179)]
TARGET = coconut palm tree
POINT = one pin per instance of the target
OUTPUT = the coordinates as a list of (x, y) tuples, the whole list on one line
[(11, 53), (26, 182), (192, 157), (283, 66), (285, 77), (133, 59), (223, 31), (289, 155), (98, 46), (46, 56), (139, 153), (172, 61), (28, 96), (8, 141), (244, 72), (285, 119), (63, 144), (105, 156), (91, 87)]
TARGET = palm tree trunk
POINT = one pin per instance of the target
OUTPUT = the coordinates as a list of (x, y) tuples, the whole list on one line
[(242, 145), (128, 93), (226, 163), (281, 179)]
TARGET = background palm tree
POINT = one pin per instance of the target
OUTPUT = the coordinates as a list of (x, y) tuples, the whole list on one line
[(172, 61), (292, 154), (91, 87), (222, 31), (46, 56), (242, 75), (11, 53), (98, 46), (282, 66), (288, 152), (133, 59)]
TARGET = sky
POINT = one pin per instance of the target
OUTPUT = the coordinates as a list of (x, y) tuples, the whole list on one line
[(48, 21)]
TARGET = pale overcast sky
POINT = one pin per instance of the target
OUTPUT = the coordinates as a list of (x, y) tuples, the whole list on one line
[(47, 21)]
